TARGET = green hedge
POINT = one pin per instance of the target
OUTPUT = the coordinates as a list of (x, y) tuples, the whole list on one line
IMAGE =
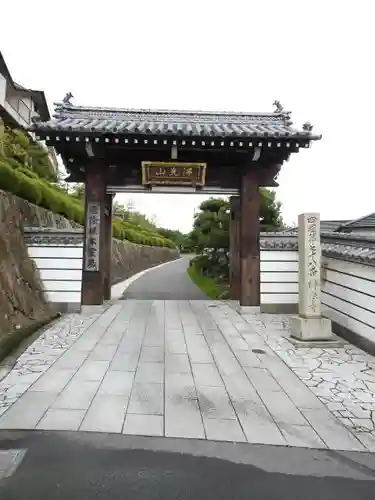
[(28, 185)]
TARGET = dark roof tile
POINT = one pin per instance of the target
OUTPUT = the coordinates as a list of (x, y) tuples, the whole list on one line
[(186, 123), (368, 221)]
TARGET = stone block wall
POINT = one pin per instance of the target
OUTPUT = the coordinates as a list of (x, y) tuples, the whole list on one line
[(22, 299), (129, 259), (58, 255)]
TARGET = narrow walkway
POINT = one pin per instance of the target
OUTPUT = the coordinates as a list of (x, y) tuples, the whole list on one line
[(168, 282), (190, 369)]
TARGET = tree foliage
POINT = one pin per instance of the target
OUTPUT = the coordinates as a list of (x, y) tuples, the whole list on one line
[(210, 235), (178, 238)]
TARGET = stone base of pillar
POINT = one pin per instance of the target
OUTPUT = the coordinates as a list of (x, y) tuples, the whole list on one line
[(311, 328), (248, 309)]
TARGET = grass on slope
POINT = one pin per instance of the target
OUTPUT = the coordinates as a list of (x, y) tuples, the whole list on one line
[(209, 286)]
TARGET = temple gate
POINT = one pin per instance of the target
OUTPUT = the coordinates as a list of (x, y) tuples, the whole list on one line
[(138, 151)]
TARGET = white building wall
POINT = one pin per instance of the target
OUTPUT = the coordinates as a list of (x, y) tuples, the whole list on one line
[(3, 89), (348, 296), (60, 268), (278, 276)]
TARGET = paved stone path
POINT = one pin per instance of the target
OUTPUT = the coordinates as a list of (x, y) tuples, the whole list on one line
[(169, 282), (192, 369)]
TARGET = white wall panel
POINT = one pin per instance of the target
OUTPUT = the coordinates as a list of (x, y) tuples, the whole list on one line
[(278, 277), (60, 270), (282, 277), (279, 288), (64, 286), (59, 274), (278, 266), (350, 323), (281, 255), (279, 298), (58, 263), (349, 295), (56, 252), (350, 268), (64, 297), (349, 309)]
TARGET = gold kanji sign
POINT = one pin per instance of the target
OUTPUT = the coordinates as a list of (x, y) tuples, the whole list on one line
[(176, 173)]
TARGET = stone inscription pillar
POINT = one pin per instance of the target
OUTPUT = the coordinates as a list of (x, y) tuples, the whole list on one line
[(234, 248), (309, 325), (249, 240), (108, 246), (94, 248)]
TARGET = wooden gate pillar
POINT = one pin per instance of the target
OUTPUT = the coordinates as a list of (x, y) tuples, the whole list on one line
[(95, 241), (249, 238), (234, 248), (108, 246)]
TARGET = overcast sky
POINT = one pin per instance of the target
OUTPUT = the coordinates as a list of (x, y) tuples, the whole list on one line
[(316, 57)]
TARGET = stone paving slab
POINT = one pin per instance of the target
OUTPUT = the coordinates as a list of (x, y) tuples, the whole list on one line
[(191, 369), (342, 379)]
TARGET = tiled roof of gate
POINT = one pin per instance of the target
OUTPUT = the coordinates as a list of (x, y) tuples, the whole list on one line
[(69, 118)]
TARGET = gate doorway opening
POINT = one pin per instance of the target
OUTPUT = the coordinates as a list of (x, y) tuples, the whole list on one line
[(146, 151)]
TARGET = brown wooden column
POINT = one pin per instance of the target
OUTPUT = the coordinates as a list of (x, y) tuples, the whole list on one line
[(94, 249), (108, 246), (234, 248), (249, 237)]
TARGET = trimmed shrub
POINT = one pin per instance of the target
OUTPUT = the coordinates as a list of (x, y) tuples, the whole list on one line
[(118, 231), (79, 215), (28, 188), (27, 185), (9, 180), (12, 162), (49, 200), (29, 173)]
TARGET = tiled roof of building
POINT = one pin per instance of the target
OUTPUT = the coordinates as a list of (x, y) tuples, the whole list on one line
[(331, 225), (38, 96), (368, 221), (277, 125)]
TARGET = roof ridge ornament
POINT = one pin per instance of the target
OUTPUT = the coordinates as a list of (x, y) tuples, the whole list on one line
[(65, 103), (281, 111), (278, 106), (307, 126)]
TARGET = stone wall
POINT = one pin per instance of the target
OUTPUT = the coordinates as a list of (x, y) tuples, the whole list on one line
[(22, 297), (129, 259), (22, 300)]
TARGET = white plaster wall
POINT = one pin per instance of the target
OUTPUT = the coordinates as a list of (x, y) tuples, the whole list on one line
[(3, 88), (20, 107), (60, 269), (278, 277), (348, 295)]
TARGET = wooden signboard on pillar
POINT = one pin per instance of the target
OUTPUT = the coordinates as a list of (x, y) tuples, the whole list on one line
[(91, 261), (95, 242)]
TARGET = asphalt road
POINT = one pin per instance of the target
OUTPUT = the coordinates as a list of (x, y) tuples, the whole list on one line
[(83, 466), (168, 282)]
